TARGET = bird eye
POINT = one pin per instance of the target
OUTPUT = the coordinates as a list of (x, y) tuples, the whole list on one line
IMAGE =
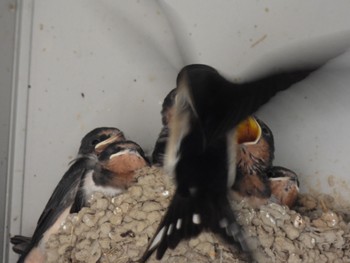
[(249, 192), (104, 137), (265, 130), (94, 142)]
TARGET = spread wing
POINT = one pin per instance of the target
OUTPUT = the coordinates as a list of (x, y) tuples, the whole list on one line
[(220, 105)]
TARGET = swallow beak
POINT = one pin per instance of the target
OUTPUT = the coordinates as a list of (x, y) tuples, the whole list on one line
[(248, 131), (127, 151), (102, 145)]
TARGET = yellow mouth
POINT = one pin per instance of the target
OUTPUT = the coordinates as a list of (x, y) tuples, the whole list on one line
[(248, 131)]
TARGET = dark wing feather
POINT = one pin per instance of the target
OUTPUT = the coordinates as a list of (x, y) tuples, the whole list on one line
[(168, 235), (62, 197), (20, 243), (221, 105), (80, 199), (211, 212)]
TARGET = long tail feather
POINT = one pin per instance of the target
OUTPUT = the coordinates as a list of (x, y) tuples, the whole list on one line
[(188, 216)]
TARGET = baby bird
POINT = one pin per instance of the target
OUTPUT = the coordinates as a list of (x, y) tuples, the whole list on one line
[(284, 186), (86, 174), (254, 157)]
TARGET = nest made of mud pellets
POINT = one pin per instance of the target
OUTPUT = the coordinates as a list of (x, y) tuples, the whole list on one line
[(118, 229)]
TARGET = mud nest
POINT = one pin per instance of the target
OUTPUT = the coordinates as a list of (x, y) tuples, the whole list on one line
[(118, 229)]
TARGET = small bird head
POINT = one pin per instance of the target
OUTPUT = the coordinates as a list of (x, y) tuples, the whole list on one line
[(98, 139), (267, 135), (254, 156), (256, 146), (252, 186), (119, 161), (284, 185), (277, 172)]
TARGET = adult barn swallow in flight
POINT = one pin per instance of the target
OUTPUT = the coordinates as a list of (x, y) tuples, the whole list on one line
[(201, 152), (85, 175)]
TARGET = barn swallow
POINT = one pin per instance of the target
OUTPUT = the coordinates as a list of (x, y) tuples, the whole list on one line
[(64, 198), (118, 163), (254, 157), (284, 185), (256, 180), (201, 152)]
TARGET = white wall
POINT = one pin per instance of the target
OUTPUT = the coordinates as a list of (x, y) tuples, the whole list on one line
[(245, 38), (124, 57), (7, 45)]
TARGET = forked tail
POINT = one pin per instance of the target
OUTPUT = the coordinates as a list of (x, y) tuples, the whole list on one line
[(187, 216)]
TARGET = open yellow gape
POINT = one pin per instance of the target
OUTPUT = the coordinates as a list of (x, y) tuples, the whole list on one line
[(248, 131)]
